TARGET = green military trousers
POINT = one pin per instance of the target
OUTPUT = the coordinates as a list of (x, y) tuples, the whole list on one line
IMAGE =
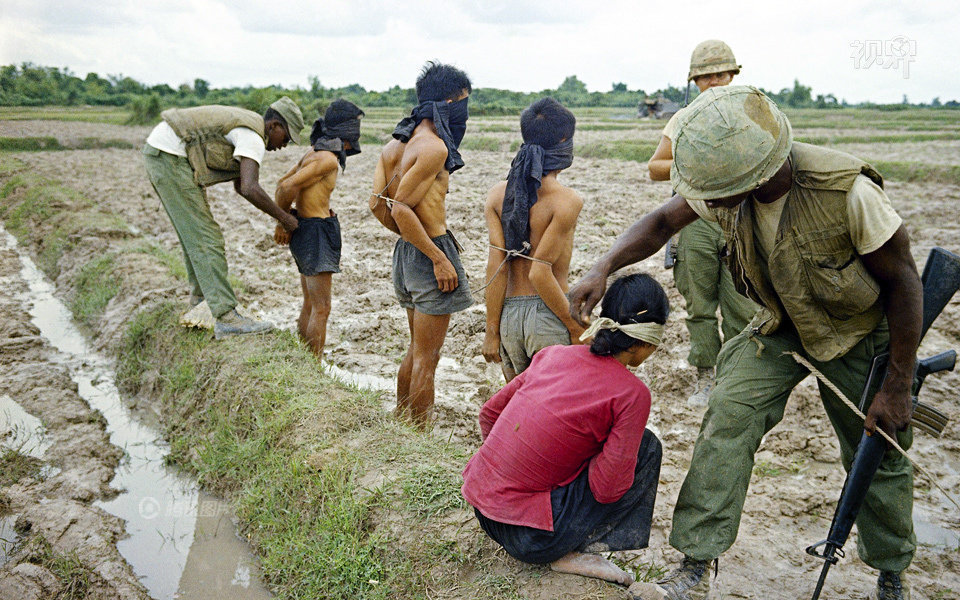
[(705, 282), (754, 379), (200, 236)]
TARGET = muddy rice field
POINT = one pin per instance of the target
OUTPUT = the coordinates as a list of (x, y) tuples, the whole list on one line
[(797, 476)]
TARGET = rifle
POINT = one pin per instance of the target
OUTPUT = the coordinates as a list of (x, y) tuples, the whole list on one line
[(669, 254), (941, 280)]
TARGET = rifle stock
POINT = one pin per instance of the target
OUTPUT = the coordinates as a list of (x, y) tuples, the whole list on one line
[(941, 280)]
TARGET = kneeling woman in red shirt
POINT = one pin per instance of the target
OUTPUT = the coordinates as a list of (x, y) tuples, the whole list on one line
[(567, 468)]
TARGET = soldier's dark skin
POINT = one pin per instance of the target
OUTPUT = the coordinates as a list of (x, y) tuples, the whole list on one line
[(248, 184), (891, 265)]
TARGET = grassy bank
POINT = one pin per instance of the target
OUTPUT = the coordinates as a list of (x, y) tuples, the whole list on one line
[(339, 499), (318, 470)]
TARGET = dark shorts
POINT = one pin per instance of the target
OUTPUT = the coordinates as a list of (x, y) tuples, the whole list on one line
[(416, 285), (582, 524), (315, 245)]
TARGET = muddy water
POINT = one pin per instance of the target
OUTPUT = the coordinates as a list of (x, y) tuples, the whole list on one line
[(181, 543)]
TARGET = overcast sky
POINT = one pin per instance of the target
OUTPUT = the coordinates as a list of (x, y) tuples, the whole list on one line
[(859, 50)]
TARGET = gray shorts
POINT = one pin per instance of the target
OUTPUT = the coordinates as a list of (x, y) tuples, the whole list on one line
[(416, 285), (526, 327)]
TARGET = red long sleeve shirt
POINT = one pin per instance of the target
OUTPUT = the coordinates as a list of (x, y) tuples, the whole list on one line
[(570, 409)]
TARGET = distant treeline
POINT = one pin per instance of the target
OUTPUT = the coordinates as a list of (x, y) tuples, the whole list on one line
[(31, 85)]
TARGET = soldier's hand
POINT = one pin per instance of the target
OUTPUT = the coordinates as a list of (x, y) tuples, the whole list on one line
[(491, 347), (281, 235), (585, 295), (890, 411), (446, 275)]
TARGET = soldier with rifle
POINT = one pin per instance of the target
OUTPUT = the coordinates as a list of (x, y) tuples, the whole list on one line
[(812, 238)]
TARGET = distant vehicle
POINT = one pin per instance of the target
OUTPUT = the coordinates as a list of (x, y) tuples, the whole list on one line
[(657, 108)]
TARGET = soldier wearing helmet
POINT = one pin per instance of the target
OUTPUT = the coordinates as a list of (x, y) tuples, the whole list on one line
[(812, 238), (701, 277)]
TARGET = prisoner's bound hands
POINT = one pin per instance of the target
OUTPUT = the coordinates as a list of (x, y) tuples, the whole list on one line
[(446, 275)]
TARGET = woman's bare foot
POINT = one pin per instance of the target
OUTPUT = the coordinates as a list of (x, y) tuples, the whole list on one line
[(591, 565)]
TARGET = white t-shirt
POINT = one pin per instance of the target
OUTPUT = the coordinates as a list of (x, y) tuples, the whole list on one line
[(245, 142), (671, 127), (869, 212)]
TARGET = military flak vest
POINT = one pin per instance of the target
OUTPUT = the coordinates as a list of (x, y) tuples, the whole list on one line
[(813, 274), (203, 130)]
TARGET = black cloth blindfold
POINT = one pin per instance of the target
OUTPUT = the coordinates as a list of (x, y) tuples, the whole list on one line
[(450, 121), (526, 171), (327, 136)]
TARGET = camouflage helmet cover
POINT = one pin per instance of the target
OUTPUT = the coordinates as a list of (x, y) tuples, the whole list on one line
[(730, 140), (712, 56)]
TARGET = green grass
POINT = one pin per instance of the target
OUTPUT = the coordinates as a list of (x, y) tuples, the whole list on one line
[(93, 114), (482, 143), (431, 489), (173, 261), (29, 144), (47, 143), (764, 468), (638, 151), (75, 579), (918, 172), (14, 466), (96, 285), (879, 139), (259, 422)]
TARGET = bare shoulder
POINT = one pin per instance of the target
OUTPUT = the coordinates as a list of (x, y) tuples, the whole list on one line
[(565, 202), (323, 160), (392, 151), (426, 147), (495, 196)]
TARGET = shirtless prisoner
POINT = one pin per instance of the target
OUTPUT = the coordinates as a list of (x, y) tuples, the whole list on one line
[(315, 245), (527, 306), (409, 190)]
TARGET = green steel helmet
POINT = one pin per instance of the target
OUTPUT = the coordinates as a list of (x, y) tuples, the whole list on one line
[(712, 56), (290, 112), (730, 140)]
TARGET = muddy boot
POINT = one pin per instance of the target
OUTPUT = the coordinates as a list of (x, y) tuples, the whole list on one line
[(705, 382), (891, 586), (195, 300), (233, 323), (688, 582)]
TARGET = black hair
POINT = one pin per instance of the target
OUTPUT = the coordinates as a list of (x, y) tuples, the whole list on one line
[(546, 122), (628, 296), (439, 82), (341, 110), (272, 115)]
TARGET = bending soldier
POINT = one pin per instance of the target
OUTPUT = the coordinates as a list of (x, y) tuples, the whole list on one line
[(813, 240)]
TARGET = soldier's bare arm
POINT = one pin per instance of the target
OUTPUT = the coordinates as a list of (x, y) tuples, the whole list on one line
[(902, 293), (552, 243), (496, 289), (249, 188), (642, 239), (661, 161)]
